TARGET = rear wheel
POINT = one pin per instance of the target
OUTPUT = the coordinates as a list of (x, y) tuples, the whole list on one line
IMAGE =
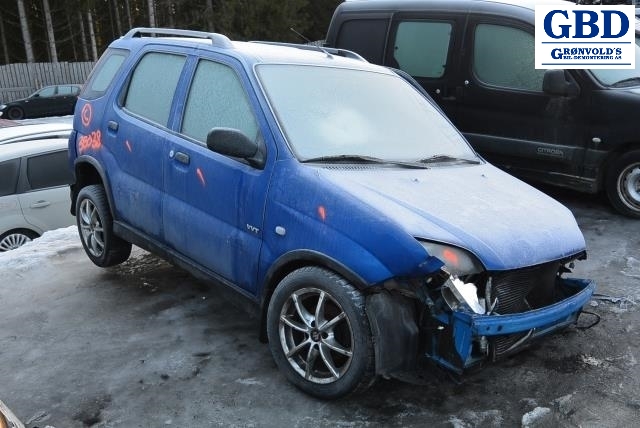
[(95, 225), (15, 239), (15, 113), (623, 184), (319, 334)]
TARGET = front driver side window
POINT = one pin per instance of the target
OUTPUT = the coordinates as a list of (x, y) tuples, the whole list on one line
[(217, 99), (504, 57)]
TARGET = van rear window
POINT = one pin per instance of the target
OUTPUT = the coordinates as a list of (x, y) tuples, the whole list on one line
[(364, 36)]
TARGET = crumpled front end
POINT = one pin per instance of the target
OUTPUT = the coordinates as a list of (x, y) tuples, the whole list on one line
[(460, 322)]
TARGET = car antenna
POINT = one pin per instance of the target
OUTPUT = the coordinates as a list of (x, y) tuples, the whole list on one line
[(310, 43)]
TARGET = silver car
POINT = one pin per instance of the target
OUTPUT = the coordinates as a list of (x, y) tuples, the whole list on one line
[(17, 132), (34, 190)]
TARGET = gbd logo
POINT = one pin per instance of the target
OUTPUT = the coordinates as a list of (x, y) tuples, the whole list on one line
[(585, 20), (585, 36)]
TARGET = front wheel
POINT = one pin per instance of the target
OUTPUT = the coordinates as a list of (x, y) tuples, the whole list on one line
[(319, 334), (95, 225), (15, 113), (623, 184)]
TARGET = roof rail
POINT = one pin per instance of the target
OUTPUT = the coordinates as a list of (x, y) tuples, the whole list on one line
[(329, 51), (218, 40)]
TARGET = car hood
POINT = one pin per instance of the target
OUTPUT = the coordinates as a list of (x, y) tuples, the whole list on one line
[(506, 223)]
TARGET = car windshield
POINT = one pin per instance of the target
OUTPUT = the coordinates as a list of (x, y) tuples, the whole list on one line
[(332, 113), (621, 78)]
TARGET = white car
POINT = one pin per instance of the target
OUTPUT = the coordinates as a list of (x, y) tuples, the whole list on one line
[(34, 190), (16, 132)]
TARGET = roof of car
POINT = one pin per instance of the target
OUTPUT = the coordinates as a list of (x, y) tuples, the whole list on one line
[(444, 4), (32, 130), (250, 52), (16, 150)]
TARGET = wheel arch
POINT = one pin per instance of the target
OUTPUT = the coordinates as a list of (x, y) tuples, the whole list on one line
[(87, 172), (610, 159), (292, 261)]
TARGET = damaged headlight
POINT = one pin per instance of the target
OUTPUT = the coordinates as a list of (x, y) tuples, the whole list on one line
[(458, 294), (457, 261)]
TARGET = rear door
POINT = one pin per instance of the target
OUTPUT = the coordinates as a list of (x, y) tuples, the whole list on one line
[(427, 46), (505, 114), (66, 100), (135, 134), (45, 204), (213, 205)]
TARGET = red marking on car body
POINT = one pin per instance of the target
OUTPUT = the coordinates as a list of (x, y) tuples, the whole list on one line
[(92, 141), (322, 212), (201, 177), (86, 114), (128, 144)]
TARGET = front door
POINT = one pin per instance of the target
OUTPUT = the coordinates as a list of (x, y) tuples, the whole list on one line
[(504, 112), (213, 205)]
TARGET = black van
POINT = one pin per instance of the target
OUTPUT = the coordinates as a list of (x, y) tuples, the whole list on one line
[(573, 128)]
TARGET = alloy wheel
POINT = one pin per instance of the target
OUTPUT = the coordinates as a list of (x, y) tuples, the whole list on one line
[(316, 335), (91, 228)]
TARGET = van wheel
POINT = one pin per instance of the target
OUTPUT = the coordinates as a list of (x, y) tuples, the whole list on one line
[(319, 334), (15, 113), (95, 225), (623, 184), (15, 238)]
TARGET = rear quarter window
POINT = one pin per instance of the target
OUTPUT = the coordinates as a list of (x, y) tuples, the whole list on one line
[(364, 36), (103, 73), (9, 176)]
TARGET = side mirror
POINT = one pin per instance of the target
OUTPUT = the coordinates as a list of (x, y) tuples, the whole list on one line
[(234, 143), (555, 82)]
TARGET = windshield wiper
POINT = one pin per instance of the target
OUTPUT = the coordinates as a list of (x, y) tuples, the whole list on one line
[(625, 82), (447, 158), (362, 159)]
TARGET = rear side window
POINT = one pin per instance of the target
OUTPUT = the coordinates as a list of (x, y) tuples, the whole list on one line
[(364, 36), (421, 48), (9, 176), (103, 73), (48, 170), (511, 65), (152, 86), (217, 99)]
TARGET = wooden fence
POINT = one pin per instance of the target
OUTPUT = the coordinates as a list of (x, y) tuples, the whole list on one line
[(20, 80)]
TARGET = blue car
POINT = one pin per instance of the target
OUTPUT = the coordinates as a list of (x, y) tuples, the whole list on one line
[(332, 195)]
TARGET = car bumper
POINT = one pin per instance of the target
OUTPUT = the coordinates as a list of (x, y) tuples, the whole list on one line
[(476, 338)]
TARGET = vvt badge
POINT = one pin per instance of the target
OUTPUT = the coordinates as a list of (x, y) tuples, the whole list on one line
[(571, 36)]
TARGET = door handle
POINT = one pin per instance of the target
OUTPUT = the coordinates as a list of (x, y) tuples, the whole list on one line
[(40, 204), (180, 157), (112, 125)]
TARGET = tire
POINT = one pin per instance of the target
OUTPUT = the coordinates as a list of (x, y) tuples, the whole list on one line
[(623, 184), (15, 238), (319, 334), (95, 226), (15, 113)]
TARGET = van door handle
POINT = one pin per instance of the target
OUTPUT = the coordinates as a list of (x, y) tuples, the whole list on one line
[(112, 125), (40, 204)]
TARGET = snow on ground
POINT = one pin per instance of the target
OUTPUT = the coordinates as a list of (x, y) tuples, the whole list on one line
[(51, 244)]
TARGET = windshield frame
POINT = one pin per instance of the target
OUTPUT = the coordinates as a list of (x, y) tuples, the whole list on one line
[(470, 155)]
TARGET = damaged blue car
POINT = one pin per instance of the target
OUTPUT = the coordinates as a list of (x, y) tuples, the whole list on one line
[(332, 194)]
